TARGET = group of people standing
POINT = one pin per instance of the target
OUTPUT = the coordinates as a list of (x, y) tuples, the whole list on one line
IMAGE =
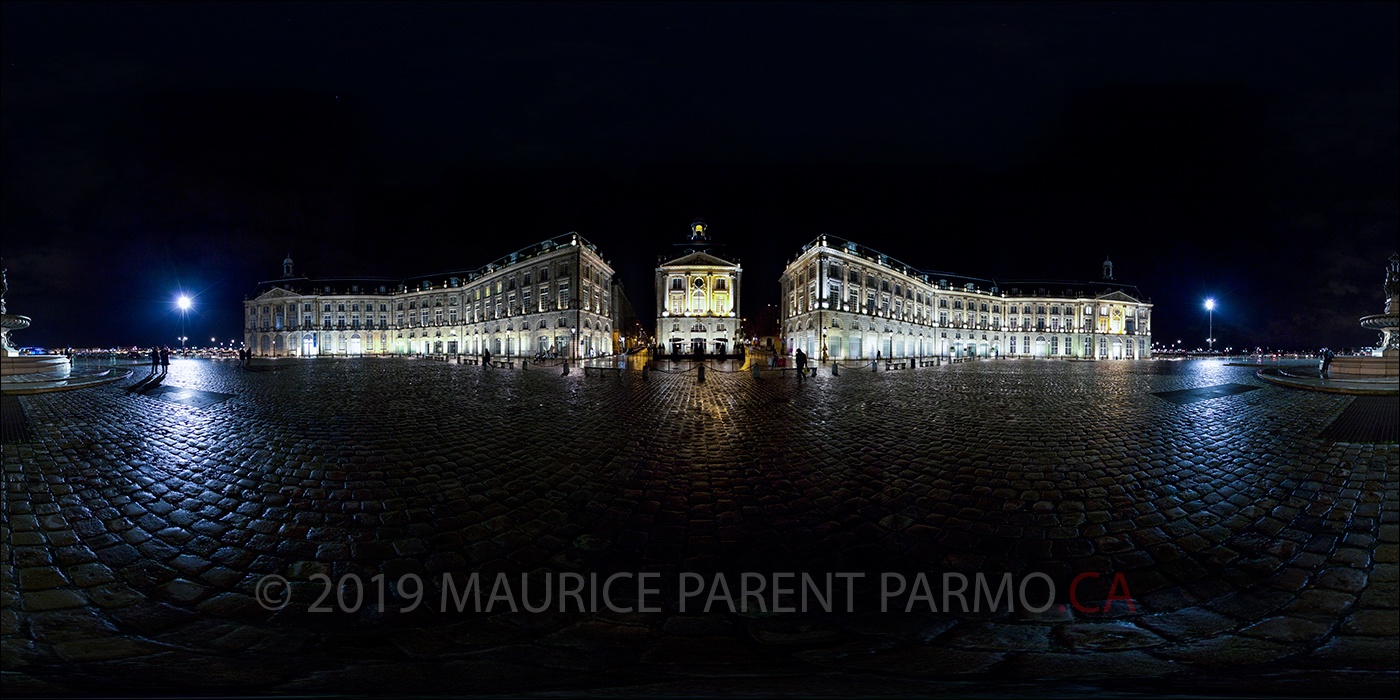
[(160, 358)]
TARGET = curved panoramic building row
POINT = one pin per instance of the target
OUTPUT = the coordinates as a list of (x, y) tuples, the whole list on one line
[(840, 301), (554, 297)]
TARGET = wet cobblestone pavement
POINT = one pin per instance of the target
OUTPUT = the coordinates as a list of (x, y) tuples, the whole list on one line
[(1259, 558)]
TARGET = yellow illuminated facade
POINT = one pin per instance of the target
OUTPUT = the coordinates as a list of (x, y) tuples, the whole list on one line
[(697, 300)]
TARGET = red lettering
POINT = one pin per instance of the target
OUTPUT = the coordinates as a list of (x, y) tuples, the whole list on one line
[(1074, 593), (1127, 597)]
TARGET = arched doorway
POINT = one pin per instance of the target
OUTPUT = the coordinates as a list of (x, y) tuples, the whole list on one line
[(356, 345)]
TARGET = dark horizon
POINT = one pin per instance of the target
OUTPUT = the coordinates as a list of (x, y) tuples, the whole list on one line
[(1241, 152)]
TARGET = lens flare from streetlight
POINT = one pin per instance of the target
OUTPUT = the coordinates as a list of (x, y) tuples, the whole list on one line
[(1210, 304), (183, 302)]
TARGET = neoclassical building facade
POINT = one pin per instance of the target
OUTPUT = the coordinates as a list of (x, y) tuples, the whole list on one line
[(555, 297), (697, 298), (841, 300)]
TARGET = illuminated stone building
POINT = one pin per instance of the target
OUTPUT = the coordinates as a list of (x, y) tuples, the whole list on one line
[(555, 296), (841, 300), (697, 298)]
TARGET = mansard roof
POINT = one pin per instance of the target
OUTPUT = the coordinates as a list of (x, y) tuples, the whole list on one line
[(301, 286), (1102, 289), (389, 285), (874, 260)]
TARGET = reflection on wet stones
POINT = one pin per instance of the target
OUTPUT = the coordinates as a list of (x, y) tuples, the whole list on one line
[(130, 520)]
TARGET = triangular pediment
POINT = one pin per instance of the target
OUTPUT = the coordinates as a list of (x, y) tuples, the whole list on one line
[(277, 293), (1119, 296), (699, 258)]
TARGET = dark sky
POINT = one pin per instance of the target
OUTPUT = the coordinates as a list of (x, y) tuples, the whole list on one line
[(1242, 151)]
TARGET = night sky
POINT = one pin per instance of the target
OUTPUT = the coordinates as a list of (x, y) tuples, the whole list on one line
[(1242, 151)]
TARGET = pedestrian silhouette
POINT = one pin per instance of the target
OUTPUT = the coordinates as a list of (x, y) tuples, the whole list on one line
[(155, 360)]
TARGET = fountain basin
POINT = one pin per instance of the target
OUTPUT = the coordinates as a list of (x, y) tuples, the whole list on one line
[(1365, 367), (12, 363)]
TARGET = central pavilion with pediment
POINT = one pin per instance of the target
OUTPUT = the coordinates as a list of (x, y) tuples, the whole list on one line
[(697, 297)]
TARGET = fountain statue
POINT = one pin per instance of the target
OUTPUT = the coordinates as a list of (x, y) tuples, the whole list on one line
[(11, 361), (1388, 324)]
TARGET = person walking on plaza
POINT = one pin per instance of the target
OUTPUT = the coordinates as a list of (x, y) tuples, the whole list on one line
[(155, 360), (1327, 356), (164, 360), (485, 357), (801, 364)]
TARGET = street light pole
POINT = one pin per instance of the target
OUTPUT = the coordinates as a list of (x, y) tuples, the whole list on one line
[(1210, 332)]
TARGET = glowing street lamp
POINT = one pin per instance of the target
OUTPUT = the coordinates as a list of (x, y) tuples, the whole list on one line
[(1210, 315), (183, 303)]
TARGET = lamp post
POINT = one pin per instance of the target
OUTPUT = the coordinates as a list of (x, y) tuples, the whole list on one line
[(1210, 333), (183, 303)]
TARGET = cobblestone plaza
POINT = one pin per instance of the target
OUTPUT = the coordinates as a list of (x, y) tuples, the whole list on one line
[(1259, 558)]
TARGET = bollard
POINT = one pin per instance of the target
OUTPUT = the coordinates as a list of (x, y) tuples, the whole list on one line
[(938, 362), (565, 373), (875, 366), (755, 371), (644, 372), (701, 373), (835, 369), (524, 364)]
